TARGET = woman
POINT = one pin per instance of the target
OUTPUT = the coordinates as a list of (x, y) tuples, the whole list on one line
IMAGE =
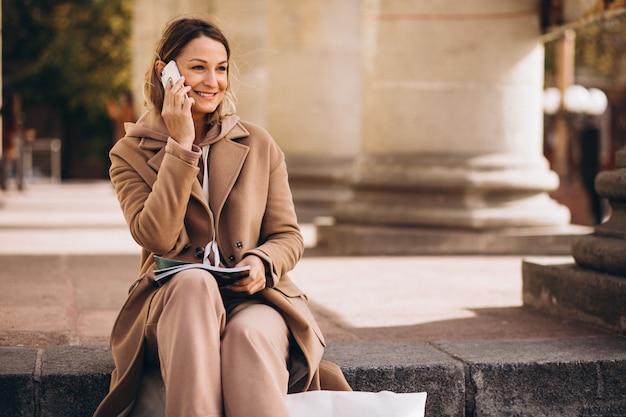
[(197, 184)]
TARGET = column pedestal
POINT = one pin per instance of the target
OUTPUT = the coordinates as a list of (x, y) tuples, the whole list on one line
[(449, 204), (593, 289), (317, 184), (604, 250)]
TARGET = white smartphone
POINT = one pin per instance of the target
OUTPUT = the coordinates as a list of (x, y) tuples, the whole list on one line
[(170, 71)]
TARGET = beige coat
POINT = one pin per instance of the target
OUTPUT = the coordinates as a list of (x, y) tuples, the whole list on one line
[(167, 213)]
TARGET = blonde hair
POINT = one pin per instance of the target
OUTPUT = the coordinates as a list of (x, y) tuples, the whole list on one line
[(176, 36)]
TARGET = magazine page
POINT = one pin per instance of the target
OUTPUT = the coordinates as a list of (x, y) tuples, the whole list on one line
[(167, 268)]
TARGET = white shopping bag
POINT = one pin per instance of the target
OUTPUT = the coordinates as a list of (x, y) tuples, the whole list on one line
[(356, 404)]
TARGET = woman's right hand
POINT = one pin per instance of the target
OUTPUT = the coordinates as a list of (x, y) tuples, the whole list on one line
[(176, 113)]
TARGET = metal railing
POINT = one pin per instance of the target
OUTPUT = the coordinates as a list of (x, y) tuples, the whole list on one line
[(41, 159)]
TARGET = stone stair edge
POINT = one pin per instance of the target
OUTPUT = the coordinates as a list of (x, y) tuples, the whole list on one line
[(458, 376)]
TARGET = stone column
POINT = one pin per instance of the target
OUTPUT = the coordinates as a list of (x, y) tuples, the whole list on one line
[(452, 156), (314, 95), (244, 23)]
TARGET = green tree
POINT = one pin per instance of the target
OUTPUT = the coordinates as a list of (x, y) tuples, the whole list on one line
[(69, 56), (600, 52)]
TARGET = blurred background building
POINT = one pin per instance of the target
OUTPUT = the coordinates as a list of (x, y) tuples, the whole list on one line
[(406, 124)]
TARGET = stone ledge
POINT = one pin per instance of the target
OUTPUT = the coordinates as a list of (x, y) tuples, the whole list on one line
[(572, 292), (548, 377), (17, 381), (56, 381), (565, 377), (404, 367)]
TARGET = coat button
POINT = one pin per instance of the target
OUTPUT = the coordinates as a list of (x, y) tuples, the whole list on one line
[(239, 245), (186, 248), (199, 253), (231, 258)]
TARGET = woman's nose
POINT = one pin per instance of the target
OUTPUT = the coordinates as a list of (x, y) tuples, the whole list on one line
[(210, 78)]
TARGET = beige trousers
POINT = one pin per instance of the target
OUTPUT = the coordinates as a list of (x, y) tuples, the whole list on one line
[(219, 355)]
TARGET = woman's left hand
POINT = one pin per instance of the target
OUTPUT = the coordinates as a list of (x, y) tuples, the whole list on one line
[(255, 281)]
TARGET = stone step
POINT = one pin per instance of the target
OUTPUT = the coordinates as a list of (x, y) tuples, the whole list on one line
[(570, 291), (556, 377)]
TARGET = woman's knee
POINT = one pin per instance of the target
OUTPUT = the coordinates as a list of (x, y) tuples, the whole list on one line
[(258, 324), (193, 283)]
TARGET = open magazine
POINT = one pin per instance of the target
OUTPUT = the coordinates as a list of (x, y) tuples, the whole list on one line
[(167, 268)]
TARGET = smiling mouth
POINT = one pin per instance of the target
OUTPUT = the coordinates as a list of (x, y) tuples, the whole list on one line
[(206, 95)]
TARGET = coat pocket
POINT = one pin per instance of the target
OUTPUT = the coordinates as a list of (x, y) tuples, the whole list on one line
[(287, 287)]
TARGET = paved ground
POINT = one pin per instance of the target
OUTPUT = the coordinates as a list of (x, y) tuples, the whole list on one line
[(66, 260)]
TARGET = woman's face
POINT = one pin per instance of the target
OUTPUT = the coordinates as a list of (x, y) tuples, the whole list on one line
[(204, 64)]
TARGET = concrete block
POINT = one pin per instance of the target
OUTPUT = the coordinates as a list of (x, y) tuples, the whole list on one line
[(74, 380), (17, 388), (552, 377), (404, 367), (576, 293)]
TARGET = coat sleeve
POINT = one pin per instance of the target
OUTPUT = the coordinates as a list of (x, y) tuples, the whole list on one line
[(154, 204)]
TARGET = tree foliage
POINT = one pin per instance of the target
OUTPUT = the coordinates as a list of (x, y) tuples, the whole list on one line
[(600, 50), (68, 57), (75, 52), (600, 55)]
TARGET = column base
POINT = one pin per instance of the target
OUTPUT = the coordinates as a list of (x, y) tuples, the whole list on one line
[(450, 204), (605, 250), (368, 240), (318, 184), (459, 191)]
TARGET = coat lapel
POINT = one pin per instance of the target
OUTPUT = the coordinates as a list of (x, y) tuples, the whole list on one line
[(226, 160)]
